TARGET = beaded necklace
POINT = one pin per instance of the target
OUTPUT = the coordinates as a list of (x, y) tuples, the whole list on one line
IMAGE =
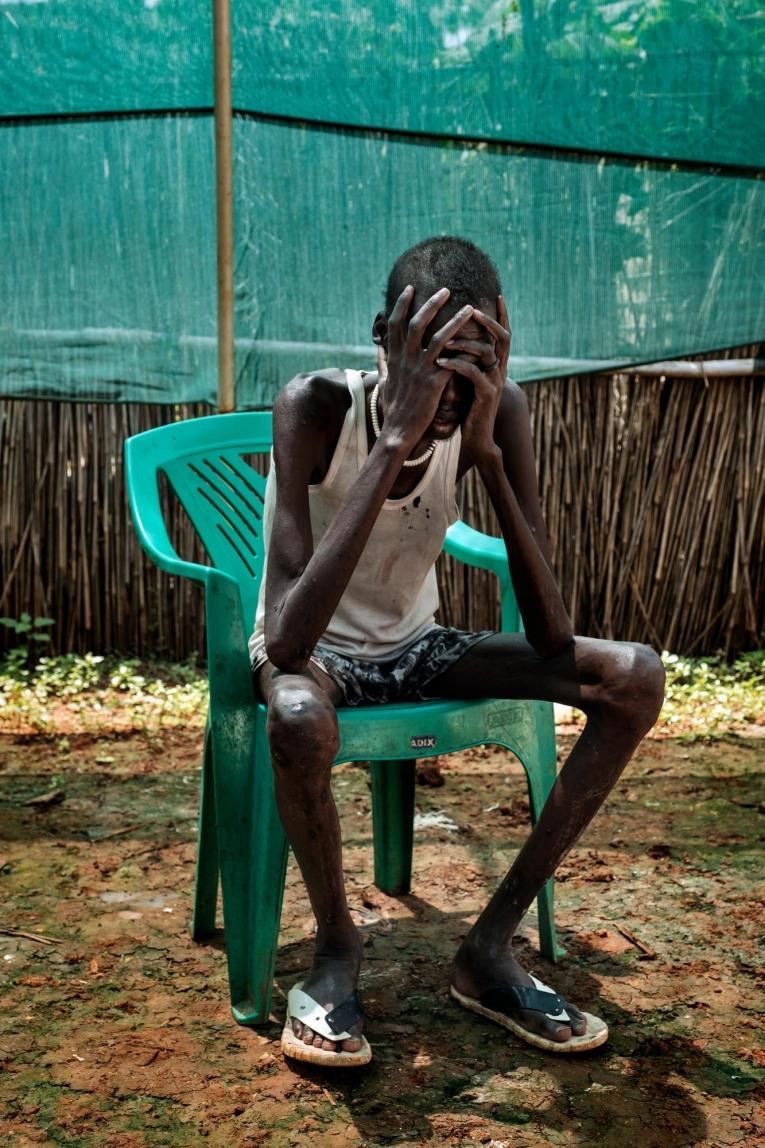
[(376, 428)]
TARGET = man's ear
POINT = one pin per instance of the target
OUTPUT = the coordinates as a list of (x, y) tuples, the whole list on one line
[(380, 331), (380, 339)]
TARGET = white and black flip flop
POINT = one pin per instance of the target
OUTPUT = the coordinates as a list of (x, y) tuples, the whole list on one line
[(332, 1025), (496, 1004)]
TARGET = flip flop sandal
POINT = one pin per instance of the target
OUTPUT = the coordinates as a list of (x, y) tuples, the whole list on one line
[(496, 1004), (331, 1025)]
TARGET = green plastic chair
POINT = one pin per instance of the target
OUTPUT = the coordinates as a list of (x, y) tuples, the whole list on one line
[(240, 835)]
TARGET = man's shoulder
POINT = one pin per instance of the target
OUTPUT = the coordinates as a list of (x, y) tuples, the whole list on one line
[(308, 416), (314, 395), (513, 401), (513, 410)]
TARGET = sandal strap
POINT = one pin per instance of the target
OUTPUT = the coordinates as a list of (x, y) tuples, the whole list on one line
[(509, 999), (309, 1012), (345, 1014)]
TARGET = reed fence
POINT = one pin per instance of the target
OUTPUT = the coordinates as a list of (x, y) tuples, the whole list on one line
[(653, 490)]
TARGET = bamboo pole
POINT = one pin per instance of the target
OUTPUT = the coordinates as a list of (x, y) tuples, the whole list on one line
[(692, 369), (224, 202)]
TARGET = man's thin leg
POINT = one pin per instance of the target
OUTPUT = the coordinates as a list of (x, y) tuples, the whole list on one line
[(303, 735), (620, 687)]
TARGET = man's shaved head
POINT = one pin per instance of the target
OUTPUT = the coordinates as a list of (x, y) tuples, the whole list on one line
[(444, 261)]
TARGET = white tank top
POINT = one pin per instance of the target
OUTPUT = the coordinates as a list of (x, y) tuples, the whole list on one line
[(392, 594)]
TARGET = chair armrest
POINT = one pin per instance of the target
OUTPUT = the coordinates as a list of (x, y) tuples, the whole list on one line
[(149, 522), (488, 553), (477, 549), (232, 695)]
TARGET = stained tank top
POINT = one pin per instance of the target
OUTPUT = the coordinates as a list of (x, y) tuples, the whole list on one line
[(392, 594)]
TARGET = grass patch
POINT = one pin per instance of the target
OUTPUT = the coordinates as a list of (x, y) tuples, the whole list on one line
[(706, 698), (88, 693)]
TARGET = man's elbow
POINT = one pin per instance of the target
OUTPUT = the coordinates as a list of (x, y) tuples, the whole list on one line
[(286, 655), (550, 645)]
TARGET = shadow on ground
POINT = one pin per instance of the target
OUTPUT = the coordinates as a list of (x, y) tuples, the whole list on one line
[(115, 1029)]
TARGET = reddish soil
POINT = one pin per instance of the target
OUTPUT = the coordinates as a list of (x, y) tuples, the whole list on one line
[(118, 1033)]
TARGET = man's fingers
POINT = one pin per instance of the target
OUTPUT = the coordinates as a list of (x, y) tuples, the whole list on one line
[(485, 352), (500, 333), (502, 313), (401, 305), (469, 370), (448, 331), (397, 316), (427, 312)]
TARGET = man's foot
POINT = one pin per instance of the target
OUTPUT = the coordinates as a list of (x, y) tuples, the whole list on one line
[(332, 979), (476, 970)]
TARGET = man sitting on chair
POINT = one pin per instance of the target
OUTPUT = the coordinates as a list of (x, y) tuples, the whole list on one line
[(361, 492)]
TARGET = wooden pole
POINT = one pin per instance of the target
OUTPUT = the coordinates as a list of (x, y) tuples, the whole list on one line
[(224, 202), (692, 369)]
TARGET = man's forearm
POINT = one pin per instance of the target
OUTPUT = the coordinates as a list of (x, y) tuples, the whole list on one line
[(301, 614), (545, 618)]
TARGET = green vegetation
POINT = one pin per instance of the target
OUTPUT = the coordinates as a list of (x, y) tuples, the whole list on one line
[(706, 698), (87, 692), (27, 629)]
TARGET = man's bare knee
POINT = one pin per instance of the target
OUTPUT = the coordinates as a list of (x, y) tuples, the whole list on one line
[(302, 725), (631, 690)]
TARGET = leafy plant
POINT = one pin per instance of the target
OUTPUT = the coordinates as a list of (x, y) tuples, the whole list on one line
[(91, 692), (706, 697), (30, 630)]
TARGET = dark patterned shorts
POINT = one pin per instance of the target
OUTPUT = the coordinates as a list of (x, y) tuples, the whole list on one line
[(401, 679)]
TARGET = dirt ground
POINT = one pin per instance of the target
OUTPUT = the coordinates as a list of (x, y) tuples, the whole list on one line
[(116, 1029)]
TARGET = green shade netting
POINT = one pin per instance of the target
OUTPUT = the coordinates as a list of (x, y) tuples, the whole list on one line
[(655, 78), (107, 225)]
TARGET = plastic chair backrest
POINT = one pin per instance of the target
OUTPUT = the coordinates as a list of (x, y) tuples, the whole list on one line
[(221, 492), (203, 460)]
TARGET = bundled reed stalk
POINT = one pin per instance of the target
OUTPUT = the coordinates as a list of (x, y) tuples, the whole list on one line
[(68, 550), (653, 491)]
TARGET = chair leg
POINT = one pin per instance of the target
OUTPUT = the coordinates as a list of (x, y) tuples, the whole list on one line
[(268, 868), (544, 722), (206, 885), (253, 857), (541, 778), (393, 824)]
